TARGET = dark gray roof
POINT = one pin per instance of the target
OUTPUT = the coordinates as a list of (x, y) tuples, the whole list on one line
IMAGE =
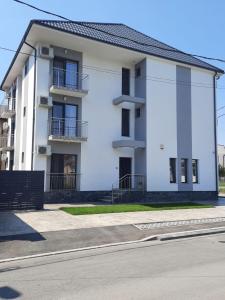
[(128, 38)]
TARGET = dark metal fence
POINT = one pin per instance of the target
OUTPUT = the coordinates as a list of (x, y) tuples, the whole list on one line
[(21, 190)]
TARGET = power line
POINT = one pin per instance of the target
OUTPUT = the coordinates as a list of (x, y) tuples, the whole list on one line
[(114, 72), (118, 36)]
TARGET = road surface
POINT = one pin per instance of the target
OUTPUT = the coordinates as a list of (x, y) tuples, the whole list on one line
[(180, 269)]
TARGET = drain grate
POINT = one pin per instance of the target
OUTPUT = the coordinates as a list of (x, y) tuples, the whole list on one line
[(154, 225)]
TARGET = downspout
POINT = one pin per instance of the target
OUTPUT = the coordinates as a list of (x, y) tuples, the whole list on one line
[(34, 100), (215, 131)]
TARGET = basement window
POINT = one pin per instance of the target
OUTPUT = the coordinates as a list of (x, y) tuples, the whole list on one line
[(184, 171), (172, 170), (194, 170)]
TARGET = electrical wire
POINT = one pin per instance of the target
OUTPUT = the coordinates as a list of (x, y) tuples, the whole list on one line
[(170, 49)]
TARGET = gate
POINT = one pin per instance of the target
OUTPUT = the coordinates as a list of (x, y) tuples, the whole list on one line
[(21, 190)]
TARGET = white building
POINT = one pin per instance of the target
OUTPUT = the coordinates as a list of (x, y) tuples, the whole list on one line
[(221, 155), (93, 103)]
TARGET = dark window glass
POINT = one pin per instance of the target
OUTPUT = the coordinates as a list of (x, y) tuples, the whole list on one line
[(125, 122), (138, 72), (63, 171), (26, 67), (194, 170), (65, 73), (183, 166), (125, 81), (64, 120), (22, 159), (24, 111), (137, 112), (172, 170)]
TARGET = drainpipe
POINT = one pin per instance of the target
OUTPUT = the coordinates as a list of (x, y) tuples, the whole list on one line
[(215, 131), (34, 99)]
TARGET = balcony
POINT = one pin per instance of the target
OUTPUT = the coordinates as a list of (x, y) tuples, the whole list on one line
[(128, 99), (62, 181), (6, 142), (129, 143), (8, 108), (69, 83), (67, 130)]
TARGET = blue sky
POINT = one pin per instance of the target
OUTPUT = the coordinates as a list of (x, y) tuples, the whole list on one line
[(189, 25)]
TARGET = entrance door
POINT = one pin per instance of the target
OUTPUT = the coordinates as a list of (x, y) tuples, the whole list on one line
[(125, 168)]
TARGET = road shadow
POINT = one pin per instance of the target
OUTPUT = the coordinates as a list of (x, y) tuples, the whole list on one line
[(7, 292), (13, 228)]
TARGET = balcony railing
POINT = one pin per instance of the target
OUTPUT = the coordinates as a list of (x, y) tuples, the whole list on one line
[(8, 108), (61, 181), (70, 79), (68, 129), (6, 142)]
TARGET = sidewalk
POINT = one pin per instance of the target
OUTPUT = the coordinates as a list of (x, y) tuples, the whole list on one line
[(57, 220), (27, 233)]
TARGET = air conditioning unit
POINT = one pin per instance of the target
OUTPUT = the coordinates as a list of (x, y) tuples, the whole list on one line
[(45, 52), (4, 156), (44, 150), (45, 101), (5, 126)]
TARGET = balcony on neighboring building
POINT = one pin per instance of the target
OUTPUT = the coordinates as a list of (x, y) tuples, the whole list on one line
[(7, 142), (67, 130), (68, 82), (128, 99), (8, 108)]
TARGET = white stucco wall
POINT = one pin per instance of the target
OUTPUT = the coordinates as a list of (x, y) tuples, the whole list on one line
[(161, 124), (203, 143), (99, 161)]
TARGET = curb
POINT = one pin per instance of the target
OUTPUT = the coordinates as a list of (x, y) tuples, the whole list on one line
[(191, 233), (162, 237), (146, 239)]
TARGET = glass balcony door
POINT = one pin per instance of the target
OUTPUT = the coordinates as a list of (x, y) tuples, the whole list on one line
[(65, 73), (64, 120)]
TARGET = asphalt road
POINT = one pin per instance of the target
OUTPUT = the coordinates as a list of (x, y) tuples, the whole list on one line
[(182, 269)]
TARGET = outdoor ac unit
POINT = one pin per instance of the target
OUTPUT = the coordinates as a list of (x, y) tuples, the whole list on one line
[(5, 126), (44, 150), (3, 156), (45, 101), (46, 52)]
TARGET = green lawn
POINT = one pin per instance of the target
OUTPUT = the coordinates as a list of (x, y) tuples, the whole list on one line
[(118, 208), (222, 187)]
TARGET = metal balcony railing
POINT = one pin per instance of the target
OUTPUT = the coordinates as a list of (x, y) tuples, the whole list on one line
[(8, 107), (61, 181), (6, 142), (70, 79), (68, 128)]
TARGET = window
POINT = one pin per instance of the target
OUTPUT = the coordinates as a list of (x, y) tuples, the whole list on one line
[(26, 67), (24, 111), (194, 170), (22, 158), (65, 73), (138, 72), (172, 170), (183, 166), (125, 81), (137, 112), (125, 122)]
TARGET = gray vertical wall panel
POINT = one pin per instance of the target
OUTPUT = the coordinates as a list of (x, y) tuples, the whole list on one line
[(184, 124), (140, 123)]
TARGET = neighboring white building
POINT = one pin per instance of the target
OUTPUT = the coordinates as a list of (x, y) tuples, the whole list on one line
[(93, 102), (221, 155)]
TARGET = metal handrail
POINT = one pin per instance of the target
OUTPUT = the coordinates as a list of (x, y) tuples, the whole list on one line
[(126, 183), (69, 79), (67, 127), (6, 140), (62, 181)]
